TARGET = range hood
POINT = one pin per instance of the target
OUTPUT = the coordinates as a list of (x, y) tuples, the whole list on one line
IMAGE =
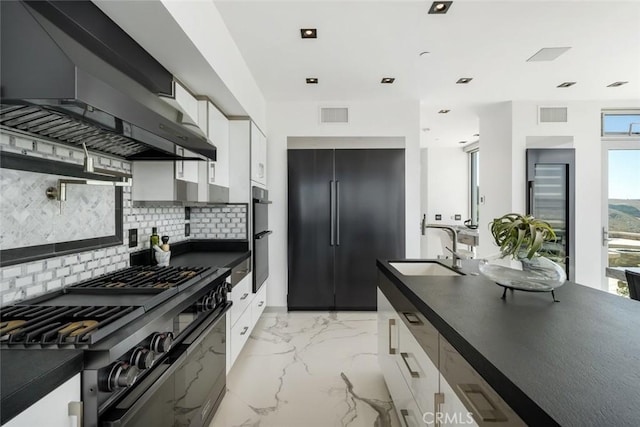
[(70, 74)]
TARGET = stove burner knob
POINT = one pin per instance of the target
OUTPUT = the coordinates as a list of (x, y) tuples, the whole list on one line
[(121, 375), (161, 343), (142, 358)]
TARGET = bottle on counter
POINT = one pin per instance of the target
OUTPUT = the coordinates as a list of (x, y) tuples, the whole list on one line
[(154, 240), (165, 243)]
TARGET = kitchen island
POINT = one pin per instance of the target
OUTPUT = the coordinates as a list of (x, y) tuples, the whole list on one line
[(572, 363)]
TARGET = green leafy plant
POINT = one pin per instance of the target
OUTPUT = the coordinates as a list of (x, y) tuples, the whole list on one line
[(515, 233)]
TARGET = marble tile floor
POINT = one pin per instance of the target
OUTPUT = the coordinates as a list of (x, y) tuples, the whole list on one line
[(308, 369)]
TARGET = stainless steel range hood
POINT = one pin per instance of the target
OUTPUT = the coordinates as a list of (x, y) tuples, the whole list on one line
[(70, 74)]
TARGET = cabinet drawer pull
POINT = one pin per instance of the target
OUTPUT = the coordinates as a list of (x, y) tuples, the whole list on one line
[(413, 373), (438, 400), (244, 330), (261, 303), (405, 414), (392, 322), (412, 318), (477, 398), (244, 296)]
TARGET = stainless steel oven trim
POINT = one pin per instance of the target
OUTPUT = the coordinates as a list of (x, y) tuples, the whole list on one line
[(200, 333)]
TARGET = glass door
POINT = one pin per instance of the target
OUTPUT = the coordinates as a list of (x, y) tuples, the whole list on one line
[(551, 198), (621, 231)]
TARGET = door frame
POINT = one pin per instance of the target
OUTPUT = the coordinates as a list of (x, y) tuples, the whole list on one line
[(609, 143)]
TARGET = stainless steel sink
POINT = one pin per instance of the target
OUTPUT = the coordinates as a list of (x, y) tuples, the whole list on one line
[(423, 268)]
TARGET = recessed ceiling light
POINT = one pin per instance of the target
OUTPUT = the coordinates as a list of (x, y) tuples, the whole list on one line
[(443, 111), (566, 84), (440, 7), (309, 33), (548, 54), (388, 80), (312, 80), (464, 80), (616, 84)]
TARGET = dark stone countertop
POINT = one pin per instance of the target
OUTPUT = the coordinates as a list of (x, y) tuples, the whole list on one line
[(28, 375), (201, 253), (575, 362)]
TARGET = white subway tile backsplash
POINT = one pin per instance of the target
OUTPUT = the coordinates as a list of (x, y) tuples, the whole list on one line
[(11, 272), (35, 267), (64, 271), (23, 281), (53, 263), (42, 277)]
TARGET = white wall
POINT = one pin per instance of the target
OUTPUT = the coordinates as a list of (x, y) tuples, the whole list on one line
[(495, 170), (300, 119), (504, 129), (445, 191)]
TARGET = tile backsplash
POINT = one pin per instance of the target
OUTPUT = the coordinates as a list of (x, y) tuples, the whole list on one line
[(25, 280), (29, 218)]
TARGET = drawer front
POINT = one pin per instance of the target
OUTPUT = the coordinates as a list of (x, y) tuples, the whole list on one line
[(241, 296), (258, 304), (473, 391), (240, 334), (408, 412), (452, 408), (419, 372)]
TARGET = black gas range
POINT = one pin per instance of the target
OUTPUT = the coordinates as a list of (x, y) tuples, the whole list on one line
[(142, 329)]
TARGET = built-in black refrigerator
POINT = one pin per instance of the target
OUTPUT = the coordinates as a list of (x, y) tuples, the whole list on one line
[(346, 208)]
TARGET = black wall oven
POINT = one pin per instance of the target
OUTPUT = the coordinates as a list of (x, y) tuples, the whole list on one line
[(260, 236)]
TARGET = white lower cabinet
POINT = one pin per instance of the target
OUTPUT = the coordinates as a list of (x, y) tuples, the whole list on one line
[(52, 410), (242, 317), (429, 381)]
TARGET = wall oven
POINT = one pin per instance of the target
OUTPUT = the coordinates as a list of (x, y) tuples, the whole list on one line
[(260, 236)]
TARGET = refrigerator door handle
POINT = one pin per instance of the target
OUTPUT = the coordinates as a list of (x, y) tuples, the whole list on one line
[(530, 197), (332, 213), (337, 213)]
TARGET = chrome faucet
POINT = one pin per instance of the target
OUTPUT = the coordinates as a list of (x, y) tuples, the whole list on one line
[(457, 257)]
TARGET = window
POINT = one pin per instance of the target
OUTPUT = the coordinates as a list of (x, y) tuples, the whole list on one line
[(474, 157), (621, 123)]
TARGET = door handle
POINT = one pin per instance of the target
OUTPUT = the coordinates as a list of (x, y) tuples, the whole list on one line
[(337, 213), (392, 322), (405, 357), (244, 296), (530, 197), (244, 330), (332, 213), (477, 399), (405, 414), (605, 237), (438, 400)]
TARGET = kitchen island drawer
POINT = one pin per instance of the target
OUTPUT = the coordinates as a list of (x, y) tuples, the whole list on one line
[(240, 296), (474, 392)]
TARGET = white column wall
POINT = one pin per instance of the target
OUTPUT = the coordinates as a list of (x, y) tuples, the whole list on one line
[(445, 191), (366, 119)]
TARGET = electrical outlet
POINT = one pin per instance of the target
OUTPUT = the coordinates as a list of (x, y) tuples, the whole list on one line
[(458, 217), (133, 237), (438, 217), (187, 230), (187, 212)]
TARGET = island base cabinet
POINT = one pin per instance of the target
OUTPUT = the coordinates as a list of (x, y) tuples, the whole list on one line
[(452, 411), (465, 390), (408, 411)]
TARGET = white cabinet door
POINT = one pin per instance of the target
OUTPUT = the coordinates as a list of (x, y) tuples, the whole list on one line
[(420, 373), (258, 156), (240, 296), (218, 133), (52, 410), (186, 170), (387, 337), (258, 304)]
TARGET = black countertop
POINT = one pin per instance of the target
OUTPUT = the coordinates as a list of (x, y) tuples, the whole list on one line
[(28, 375), (575, 362)]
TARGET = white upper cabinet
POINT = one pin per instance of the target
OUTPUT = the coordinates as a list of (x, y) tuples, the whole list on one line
[(218, 133), (184, 102), (258, 156)]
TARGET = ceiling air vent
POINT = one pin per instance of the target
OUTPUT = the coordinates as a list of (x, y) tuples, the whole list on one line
[(334, 115), (552, 115)]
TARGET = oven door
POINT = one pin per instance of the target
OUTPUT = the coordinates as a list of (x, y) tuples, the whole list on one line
[(185, 389)]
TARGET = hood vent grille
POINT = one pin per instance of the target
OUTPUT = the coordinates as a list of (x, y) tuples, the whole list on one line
[(62, 127)]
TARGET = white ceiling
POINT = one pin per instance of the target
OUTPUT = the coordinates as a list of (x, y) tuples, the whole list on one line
[(359, 42)]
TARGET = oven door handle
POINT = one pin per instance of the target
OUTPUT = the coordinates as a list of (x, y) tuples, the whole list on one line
[(262, 234), (262, 202), (173, 366)]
